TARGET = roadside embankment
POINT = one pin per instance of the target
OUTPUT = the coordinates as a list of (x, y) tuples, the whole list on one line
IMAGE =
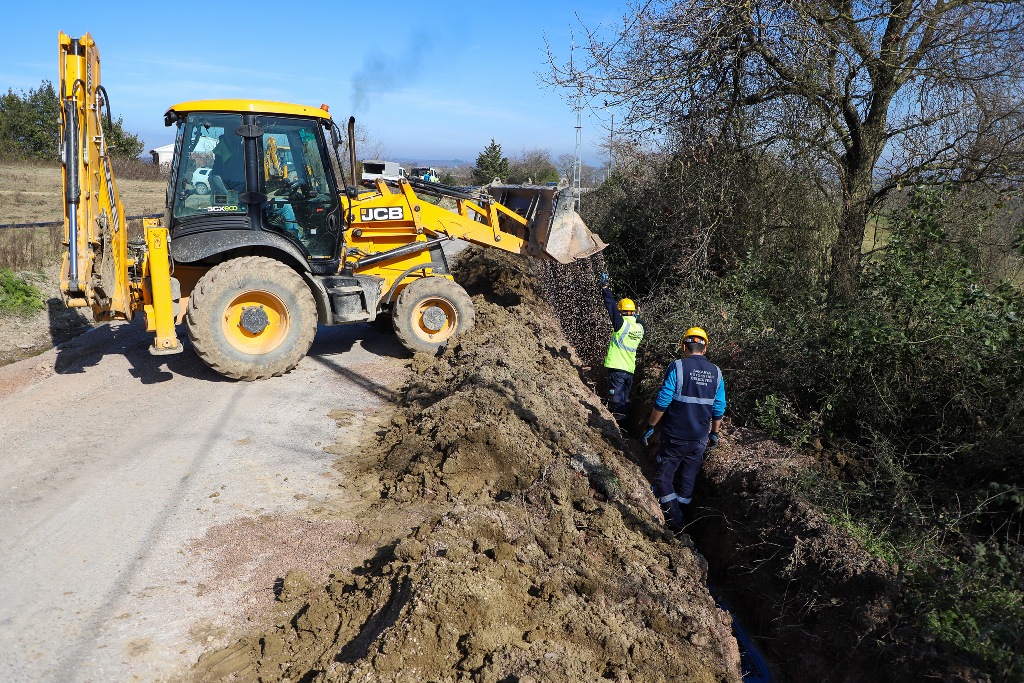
[(824, 607), (515, 541)]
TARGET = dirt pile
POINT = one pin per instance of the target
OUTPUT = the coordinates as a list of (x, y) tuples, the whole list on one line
[(517, 544)]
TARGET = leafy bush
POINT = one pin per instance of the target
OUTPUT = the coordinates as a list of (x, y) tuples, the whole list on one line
[(924, 362), (17, 296), (913, 391)]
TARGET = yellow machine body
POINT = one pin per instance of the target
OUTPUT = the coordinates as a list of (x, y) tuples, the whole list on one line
[(369, 249)]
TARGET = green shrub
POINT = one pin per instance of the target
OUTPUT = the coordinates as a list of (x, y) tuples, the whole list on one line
[(17, 296), (914, 389)]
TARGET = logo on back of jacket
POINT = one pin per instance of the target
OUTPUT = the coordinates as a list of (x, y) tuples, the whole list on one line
[(702, 378), (634, 335)]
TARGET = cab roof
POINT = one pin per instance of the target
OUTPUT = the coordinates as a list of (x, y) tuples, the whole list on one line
[(254, 106)]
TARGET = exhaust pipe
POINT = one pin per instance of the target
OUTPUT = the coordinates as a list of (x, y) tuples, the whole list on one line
[(352, 149)]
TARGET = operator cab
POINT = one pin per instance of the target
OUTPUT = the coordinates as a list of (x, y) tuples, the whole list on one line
[(263, 173)]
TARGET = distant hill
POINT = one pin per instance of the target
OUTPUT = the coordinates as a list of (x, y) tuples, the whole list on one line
[(435, 163)]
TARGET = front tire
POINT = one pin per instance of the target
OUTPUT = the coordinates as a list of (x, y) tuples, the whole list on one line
[(430, 311), (251, 318), (202, 188)]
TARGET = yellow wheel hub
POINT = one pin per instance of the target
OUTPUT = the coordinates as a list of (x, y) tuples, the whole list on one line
[(435, 320), (256, 322)]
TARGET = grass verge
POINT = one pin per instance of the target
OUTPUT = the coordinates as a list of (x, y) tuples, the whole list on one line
[(17, 296)]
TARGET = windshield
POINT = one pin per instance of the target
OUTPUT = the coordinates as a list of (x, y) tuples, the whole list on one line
[(211, 170), (300, 202)]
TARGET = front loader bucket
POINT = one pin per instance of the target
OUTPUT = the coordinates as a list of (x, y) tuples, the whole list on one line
[(554, 229)]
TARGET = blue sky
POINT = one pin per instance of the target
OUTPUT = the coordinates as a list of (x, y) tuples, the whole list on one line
[(430, 80)]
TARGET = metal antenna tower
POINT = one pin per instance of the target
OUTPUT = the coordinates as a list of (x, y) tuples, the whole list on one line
[(577, 164), (611, 146)]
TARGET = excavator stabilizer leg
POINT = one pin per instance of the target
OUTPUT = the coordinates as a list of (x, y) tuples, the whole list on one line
[(160, 313)]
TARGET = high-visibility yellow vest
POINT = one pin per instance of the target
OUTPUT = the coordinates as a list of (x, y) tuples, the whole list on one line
[(622, 347)]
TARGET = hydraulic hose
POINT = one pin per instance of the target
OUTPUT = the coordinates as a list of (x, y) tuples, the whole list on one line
[(404, 250), (72, 185)]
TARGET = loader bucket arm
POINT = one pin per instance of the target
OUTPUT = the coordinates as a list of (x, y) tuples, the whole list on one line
[(533, 220)]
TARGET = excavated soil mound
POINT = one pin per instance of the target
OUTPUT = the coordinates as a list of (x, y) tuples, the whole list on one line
[(517, 543)]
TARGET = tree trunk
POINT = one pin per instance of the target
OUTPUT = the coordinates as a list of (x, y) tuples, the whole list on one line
[(846, 252)]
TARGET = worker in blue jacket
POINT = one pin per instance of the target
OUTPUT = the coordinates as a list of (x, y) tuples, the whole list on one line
[(627, 333), (689, 407)]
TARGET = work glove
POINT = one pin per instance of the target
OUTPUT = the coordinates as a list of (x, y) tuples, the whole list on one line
[(647, 435), (712, 440), (603, 277)]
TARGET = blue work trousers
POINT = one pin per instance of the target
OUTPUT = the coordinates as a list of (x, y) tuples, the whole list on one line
[(677, 465), (620, 384)]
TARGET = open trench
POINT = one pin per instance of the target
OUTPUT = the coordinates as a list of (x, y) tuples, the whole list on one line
[(574, 296), (510, 535), (809, 604), (505, 537)]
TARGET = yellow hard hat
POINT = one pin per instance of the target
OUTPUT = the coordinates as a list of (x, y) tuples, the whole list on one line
[(695, 332), (627, 306)]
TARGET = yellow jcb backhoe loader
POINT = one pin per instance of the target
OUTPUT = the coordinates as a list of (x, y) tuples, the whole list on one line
[(263, 237)]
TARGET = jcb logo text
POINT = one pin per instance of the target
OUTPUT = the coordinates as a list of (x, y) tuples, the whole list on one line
[(390, 213)]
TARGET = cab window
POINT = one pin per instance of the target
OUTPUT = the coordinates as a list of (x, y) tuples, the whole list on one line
[(211, 170), (300, 202)]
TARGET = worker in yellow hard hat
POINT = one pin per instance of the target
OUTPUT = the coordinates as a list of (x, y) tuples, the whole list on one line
[(689, 406), (627, 332)]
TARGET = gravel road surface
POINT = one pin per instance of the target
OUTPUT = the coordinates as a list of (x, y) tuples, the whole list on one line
[(147, 505)]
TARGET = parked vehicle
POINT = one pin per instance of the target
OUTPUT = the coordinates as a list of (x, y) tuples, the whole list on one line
[(424, 173), (201, 180), (377, 168)]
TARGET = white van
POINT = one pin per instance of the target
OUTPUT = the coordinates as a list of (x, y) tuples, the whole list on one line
[(376, 168)]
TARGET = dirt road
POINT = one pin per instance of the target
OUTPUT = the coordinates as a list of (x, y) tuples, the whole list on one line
[(147, 505)]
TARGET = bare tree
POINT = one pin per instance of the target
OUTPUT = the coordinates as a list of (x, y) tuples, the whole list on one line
[(589, 175), (534, 165), (877, 93), (368, 146)]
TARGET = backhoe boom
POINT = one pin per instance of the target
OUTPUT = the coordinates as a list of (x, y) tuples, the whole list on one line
[(97, 267)]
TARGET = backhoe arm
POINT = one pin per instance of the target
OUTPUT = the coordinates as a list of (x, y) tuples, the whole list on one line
[(94, 269), (98, 269)]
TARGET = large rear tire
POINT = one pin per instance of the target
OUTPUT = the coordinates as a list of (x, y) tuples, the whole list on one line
[(430, 311), (251, 318)]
